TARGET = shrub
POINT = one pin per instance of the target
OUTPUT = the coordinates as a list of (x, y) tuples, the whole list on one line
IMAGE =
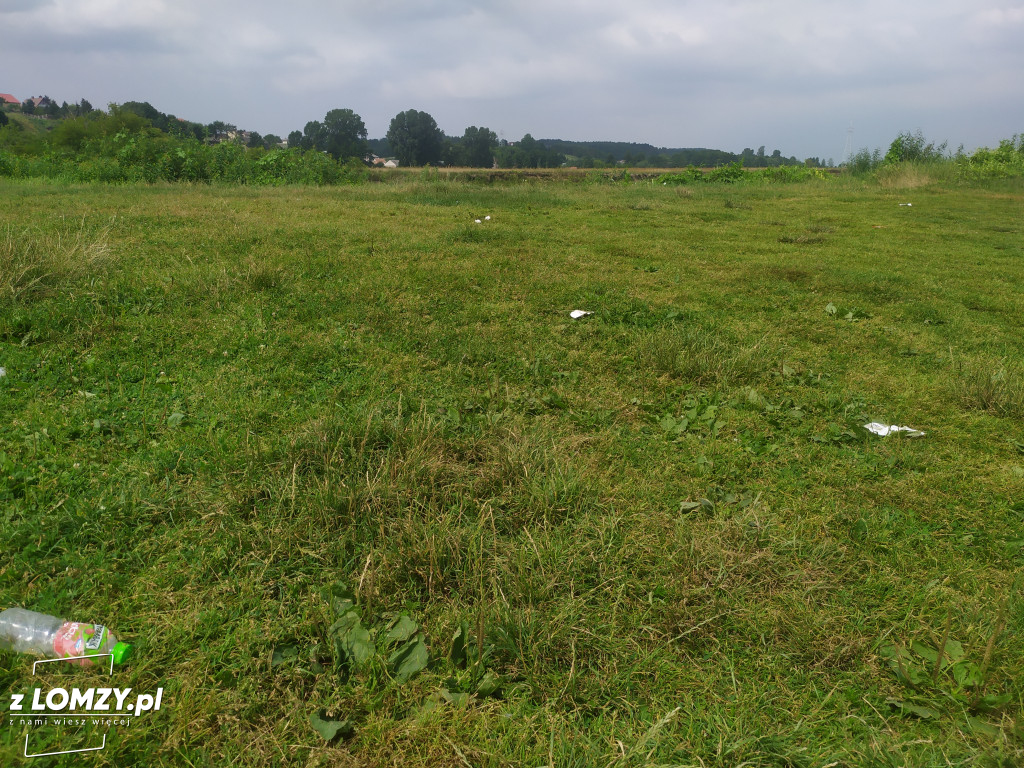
[(1004, 161), (914, 147), (864, 161), (102, 169), (689, 175), (728, 174), (9, 165), (788, 174)]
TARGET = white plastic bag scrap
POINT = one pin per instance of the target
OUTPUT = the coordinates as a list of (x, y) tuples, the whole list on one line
[(576, 314), (887, 429), (487, 218), (3, 372), (906, 205)]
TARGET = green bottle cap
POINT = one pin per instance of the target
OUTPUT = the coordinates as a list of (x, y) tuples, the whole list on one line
[(121, 652)]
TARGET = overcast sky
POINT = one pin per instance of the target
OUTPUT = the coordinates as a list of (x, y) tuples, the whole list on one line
[(791, 75)]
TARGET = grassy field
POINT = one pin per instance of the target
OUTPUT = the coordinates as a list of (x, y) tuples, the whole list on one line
[(342, 466)]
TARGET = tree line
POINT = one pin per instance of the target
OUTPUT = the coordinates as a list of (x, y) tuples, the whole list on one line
[(414, 139), (135, 141)]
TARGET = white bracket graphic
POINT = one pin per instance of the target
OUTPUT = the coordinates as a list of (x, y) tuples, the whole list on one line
[(69, 751), (75, 658), (65, 751)]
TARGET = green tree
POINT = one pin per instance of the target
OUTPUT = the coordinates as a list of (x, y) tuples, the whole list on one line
[(530, 153), (295, 140), (72, 134), (454, 153), (478, 145), (148, 111), (343, 135), (311, 135), (415, 138), (380, 147), (3, 119), (118, 119), (216, 128)]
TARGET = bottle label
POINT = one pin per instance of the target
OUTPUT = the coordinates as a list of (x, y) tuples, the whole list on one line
[(95, 642), (76, 639)]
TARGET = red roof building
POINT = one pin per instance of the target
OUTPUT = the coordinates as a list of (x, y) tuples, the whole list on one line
[(6, 98)]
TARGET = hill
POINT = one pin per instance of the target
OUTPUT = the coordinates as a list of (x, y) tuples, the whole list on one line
[(587, 153), (632, 153), (31, 123)]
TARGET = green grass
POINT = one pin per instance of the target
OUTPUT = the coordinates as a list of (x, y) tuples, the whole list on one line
[(660, 528), (36, 124)]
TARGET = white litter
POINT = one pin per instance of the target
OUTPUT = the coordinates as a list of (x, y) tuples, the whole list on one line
[(576, 314), (3, 372), (478, 221), (487, 218), (888, 429), (906, 205)]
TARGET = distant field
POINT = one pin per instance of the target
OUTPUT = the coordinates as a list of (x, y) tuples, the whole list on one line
[(505, 174), (251, 428), (546, 174)]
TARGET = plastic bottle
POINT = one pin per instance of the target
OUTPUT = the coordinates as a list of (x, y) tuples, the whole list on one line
[(25, 631)]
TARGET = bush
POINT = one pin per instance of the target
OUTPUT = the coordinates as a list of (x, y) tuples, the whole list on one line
[(728, 174), (1004, 161), (789, 174), (913, 147), (689, 175), (8, 164), (734, 172), (101, 169), (274, 168), (913, 161), (864, 161), (123, 147)]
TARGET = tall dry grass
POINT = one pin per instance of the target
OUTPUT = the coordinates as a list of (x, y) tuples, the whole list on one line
[(33, 266)]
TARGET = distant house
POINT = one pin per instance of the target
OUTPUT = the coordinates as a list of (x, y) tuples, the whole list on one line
[(236, 135), (6, 98), (40, 101)]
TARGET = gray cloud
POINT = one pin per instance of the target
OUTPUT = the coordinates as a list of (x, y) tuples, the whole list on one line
[(21, 6), (791, 74)]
